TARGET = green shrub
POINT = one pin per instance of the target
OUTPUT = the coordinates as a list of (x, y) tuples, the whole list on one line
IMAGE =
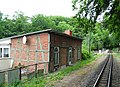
[(85, 54)]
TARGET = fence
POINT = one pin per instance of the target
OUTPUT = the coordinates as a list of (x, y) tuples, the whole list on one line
[(24, 72)]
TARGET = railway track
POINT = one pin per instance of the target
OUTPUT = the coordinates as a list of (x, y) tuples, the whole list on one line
[(104, 75)]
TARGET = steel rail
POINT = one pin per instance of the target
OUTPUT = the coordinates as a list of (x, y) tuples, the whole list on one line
[(101, 72), (110, 71)]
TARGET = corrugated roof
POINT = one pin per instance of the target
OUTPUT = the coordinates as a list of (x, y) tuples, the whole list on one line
[(42, 31)]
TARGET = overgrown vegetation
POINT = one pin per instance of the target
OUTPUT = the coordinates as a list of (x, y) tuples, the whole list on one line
[(53, 77), (86, 55)]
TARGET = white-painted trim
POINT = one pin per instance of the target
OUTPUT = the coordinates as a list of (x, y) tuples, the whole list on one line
[(5, 42), (48, 47)]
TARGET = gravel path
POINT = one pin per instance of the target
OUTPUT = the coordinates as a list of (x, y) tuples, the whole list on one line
[(116, 72), (81, 77)]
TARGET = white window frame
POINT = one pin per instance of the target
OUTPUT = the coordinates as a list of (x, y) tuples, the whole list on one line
[(54, 56), (5, 46)]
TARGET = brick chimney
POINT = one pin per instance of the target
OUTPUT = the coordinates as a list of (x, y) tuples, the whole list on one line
[(68, 32)]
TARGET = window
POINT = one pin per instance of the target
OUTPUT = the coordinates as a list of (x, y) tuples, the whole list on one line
[(78, 53), (70, 55), (4, 51), (56, 55), (0, 52)]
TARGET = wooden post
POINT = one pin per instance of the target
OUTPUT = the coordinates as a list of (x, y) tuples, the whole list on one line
[(35, 70), (20, 75)]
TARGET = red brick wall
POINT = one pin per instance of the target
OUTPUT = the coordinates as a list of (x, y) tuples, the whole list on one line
[(30, 52), (63, 43)]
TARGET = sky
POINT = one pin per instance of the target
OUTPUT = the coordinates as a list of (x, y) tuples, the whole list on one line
[(34, 7)]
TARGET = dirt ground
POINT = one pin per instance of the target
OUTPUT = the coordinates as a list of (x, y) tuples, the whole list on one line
[(80, 77)]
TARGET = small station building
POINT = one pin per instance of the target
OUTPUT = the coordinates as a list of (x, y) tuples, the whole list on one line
[(57, 49)]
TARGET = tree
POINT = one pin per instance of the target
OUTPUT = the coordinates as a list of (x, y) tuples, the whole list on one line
[(40, 22), (100, 37), (92, 9), (5, 26), (62, 26), (58, 19), (112, 19), (21, 24)]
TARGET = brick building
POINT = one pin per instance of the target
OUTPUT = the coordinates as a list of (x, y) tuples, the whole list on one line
[(58, 49)]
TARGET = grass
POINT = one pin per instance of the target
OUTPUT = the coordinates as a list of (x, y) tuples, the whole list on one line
[(53, 77), (117, 55)]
